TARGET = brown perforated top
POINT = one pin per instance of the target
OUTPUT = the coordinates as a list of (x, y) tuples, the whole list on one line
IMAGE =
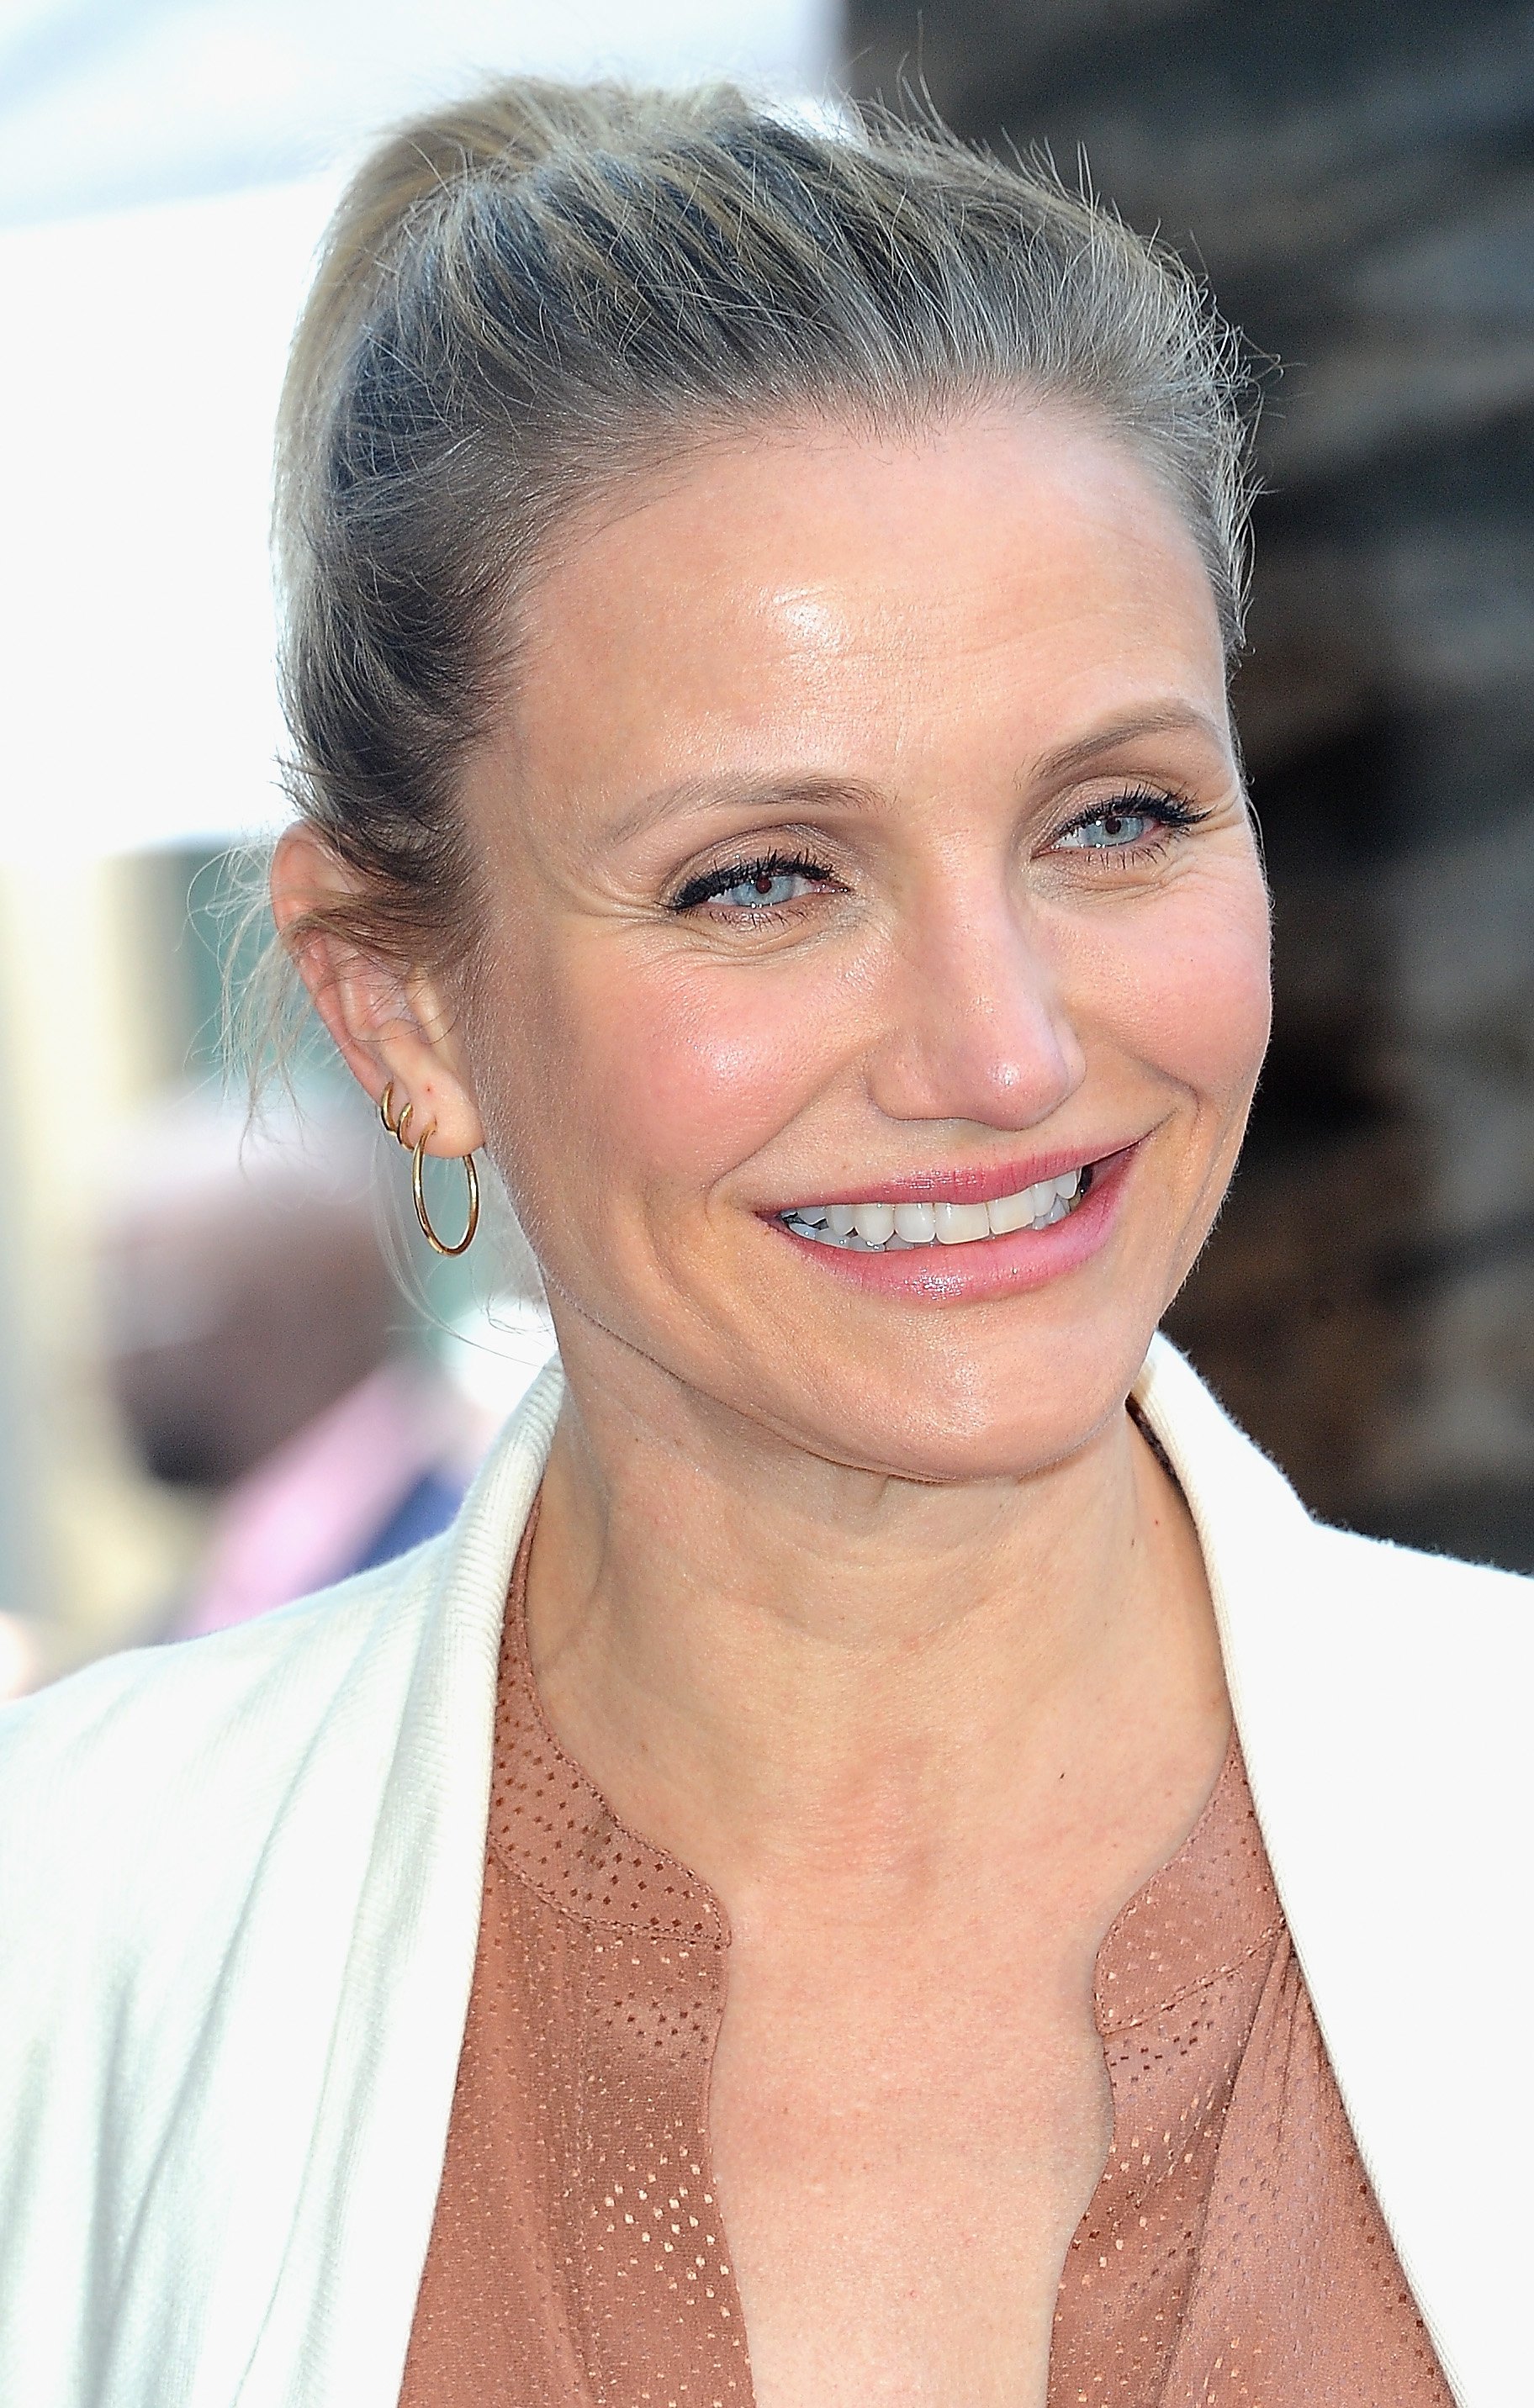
[(1232, 2255)]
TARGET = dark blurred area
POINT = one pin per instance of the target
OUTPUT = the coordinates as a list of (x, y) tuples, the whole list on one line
[(1358, 182), (259, 1354), (243, 1294)]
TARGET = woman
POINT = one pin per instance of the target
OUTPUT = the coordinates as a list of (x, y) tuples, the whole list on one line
[(942, 1883)]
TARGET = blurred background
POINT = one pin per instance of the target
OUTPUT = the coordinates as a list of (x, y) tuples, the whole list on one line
[(224, 1376)]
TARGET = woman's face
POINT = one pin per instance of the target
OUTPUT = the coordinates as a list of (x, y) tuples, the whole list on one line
[(867, 833)]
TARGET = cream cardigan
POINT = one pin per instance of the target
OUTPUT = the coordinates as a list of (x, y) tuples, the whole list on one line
[(239, 1898)]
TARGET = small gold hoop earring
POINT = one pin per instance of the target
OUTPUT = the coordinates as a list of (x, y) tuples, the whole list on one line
[(403, 1123), (386, 1110), (418, 1191)]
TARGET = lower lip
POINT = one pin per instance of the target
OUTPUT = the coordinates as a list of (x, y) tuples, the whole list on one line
[(986, 1266)]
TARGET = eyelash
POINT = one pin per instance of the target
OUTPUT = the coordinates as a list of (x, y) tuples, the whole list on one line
[(714, 882), (1174, 815)]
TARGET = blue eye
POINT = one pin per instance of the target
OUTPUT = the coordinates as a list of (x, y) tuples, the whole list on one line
[(749, 886), (1119, 826), (761, 889), (1108, 829)]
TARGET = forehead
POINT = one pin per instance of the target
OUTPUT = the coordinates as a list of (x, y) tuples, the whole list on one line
[(809, 593)]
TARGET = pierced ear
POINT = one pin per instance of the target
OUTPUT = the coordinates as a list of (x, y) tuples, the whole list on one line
[(387, 1026), (421, 1051)]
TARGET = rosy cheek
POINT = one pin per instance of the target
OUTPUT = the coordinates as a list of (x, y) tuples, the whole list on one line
[(695, 1072), (1210, 996)]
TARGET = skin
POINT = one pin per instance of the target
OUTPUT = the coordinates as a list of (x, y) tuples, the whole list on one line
[(866, 1599)]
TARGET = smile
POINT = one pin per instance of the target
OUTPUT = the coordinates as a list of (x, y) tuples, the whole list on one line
[(875, 1228)]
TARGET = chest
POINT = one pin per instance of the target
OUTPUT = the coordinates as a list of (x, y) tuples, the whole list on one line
[(902, 2152)]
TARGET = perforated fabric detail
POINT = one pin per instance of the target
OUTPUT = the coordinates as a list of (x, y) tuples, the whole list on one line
[(577, 2258), (1232, 2255)]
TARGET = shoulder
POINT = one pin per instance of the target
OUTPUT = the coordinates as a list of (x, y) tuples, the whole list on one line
[(158, 1790), (240, 1885), (1380, 1695), (174, 1751), (1380, 1574), (1276, 1570), (1421, 1619)]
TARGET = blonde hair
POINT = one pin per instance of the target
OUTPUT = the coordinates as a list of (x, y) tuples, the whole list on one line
[(525, 299)]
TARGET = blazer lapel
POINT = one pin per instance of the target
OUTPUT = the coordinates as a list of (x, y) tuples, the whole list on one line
[(1381, 1697), (339, 2324)]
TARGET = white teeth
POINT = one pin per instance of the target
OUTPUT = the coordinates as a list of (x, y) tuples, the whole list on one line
[(916, 1223), (959, 1225), (876, 1228), (1007, 1212), (875, 1222)]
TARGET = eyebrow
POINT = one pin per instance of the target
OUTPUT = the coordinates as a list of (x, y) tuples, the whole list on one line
[(767, 794), (823, 792), (1171, 719)]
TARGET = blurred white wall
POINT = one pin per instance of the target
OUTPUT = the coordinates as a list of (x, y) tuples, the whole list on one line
[(154, 243), (105, 102), (136, 619)]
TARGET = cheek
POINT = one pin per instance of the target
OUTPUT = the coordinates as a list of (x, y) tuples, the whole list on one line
[(1177, 981), (1206, 992), (675, 1073)]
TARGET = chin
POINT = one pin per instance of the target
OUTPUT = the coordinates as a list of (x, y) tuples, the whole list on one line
[(973, 1419)]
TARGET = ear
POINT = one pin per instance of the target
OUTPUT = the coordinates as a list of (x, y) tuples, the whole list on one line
[(388, 1025)]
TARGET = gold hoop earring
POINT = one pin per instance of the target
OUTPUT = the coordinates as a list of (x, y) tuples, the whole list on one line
[(403, 1123), (385, 1110), (418, 1191)]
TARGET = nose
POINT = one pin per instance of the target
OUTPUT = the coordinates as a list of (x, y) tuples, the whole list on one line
[(976, 1027)]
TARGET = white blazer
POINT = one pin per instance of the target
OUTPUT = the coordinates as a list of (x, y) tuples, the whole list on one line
[(239, 1900)]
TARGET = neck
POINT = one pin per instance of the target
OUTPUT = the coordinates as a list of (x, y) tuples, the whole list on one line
[(787, 1671)]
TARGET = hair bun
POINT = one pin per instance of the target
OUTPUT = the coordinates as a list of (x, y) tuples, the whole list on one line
[(500, 134)]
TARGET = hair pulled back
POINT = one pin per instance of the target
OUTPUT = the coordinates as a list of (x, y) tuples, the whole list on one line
[(525, 299)]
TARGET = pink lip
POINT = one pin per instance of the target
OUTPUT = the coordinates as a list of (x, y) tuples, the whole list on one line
[(986, 1266), (980, 1184)]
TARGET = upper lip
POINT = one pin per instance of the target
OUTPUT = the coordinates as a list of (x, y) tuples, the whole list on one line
[(979, 1182)]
